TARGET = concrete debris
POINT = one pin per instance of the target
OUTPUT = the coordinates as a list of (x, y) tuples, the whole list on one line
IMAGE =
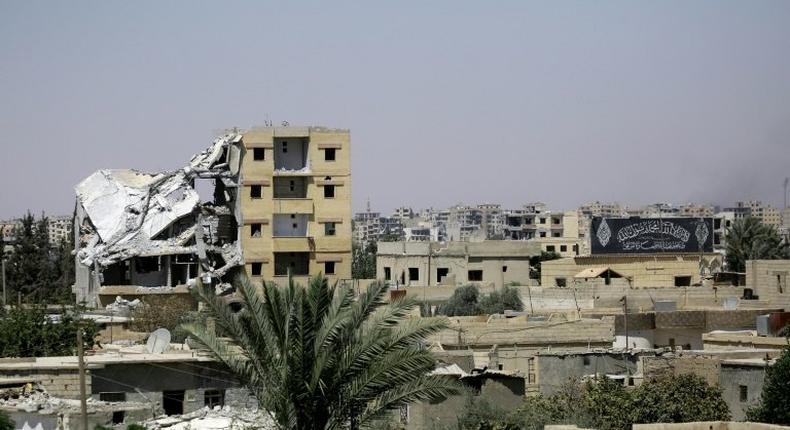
[(36, 400), (121, 304), (214, 419), (126, 214)]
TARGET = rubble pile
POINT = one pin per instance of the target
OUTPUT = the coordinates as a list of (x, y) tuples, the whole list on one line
[(214, 419), (124, 214)]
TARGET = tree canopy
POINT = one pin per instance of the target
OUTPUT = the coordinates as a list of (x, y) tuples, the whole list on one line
[(320, 357), (749, 239), (34, 333), (605, 404), (773, 407), (468, 300), (36, 269)]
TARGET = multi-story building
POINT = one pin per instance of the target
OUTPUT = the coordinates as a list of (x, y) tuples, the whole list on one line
[(767, 214), (596, 208), (60, 228), (366, 226), (492, 221), (280, 205), (296, 202)]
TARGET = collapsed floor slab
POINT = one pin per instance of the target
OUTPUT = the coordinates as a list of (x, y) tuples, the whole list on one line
[(154, 229)]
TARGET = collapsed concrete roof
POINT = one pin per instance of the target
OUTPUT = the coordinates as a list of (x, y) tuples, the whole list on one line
[(126, 213)]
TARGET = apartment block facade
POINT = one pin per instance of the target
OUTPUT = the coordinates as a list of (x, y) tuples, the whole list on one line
[(295, 203)]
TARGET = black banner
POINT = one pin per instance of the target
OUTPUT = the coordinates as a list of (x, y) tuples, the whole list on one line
[(651, 235)]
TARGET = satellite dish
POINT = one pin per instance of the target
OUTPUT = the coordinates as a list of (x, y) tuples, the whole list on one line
[(158, 341)]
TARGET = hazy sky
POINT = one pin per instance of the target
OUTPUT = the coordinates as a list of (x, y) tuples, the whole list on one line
[(509, 102)]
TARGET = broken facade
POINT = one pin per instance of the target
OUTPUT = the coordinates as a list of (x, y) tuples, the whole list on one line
[(143, 230), (281, 204)]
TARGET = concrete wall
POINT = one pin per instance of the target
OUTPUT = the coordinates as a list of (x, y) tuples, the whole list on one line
[(732, 378), (553, 371), (501, 391), (770, 280), (654, 271)]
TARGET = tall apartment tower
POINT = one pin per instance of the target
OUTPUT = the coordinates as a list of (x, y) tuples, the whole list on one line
[(296, 203)]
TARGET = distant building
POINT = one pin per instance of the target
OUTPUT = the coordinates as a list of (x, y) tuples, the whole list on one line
[(492, 262), (767, 214)]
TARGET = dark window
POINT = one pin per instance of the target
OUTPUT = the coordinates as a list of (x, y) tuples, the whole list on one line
[(555, 234), (291, 185), (329, 229), (329, 267), (555, 220), (173, 402), (117, 416), (744, 393), (414, 274), (256, 269), (256, 192), (682, 281), (543, 220), (329, 191), (475, 275), (504, 269), (329, 154), (441, 272), (561, 282), (542, 234), (387, 273), (258, 154), (212, 398), (285, 147), (256, 230), (550, 248), (563, 248), (586, 360), (116, 396), (672, 342)]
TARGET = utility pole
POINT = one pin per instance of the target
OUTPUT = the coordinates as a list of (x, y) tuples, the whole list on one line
[(81, 364), (787, 181), (625, 320), (2, 258)]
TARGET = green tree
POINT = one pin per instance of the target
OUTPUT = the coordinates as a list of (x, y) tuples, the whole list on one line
[(464, 301), (498, 301), (6, 423), (678, 399), (773, 407), (40, 272), (750, 239), (363, 260), (605, 404), (321, 358), (467, 300), (31, 332), (535, 262)]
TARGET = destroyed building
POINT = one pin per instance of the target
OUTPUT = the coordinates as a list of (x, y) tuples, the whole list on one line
[(138, 233)]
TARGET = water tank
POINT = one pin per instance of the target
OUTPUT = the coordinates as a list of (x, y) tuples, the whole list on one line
[(762, 325)]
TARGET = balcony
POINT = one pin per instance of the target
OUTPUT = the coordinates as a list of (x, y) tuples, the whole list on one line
[(293, 206), (293, 244)]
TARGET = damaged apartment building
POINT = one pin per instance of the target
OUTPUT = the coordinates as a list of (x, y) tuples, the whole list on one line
[(278, 204)]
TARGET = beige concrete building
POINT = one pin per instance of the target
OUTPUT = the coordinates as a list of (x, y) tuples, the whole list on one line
[(296, 202), (488, 263), (635, 271), (768, 279)]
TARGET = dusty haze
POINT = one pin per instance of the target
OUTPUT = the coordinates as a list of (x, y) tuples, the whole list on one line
[(451, 101)]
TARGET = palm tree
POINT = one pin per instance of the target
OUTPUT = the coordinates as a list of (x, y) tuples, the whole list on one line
[(322, 358), (750, 239)]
